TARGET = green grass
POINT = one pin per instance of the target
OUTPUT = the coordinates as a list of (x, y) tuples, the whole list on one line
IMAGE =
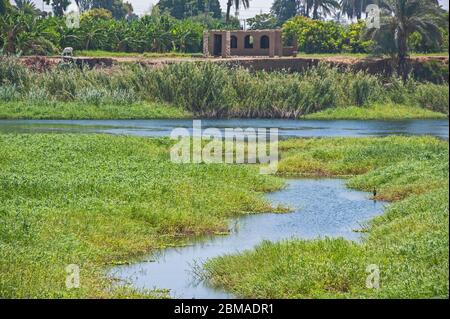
[(109, 54), (99, 200), (360, 55), (207, 89), (80, 110), (376, 112), (409, 243)]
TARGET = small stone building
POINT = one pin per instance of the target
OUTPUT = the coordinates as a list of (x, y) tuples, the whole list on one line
[(245, 43)]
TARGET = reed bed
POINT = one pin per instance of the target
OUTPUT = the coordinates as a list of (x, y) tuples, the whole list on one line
[(210, 90)]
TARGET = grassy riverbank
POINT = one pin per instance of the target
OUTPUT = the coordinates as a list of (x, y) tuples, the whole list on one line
[(203, 89), (376, 112), (53, 110), (409, 243), (98, 200), (87, 111)]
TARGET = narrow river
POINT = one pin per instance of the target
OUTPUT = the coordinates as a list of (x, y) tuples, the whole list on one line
[(287, 128), (321, 208)]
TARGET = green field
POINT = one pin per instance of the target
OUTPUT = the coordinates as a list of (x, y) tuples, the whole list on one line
[(99, 200), (376, 112), (154, 110), (409, 243), (80, 111)]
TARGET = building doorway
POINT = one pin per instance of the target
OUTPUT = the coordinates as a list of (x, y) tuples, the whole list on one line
[(217, 44)]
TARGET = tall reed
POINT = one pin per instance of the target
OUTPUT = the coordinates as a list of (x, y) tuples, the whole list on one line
[(213, 90)]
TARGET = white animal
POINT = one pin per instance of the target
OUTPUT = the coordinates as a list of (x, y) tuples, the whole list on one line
[(67, 52)]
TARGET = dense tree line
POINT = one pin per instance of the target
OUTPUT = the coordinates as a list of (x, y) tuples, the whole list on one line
[(104, 25), (178, 25)]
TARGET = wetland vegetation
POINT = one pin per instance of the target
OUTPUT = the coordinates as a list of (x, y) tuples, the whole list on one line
[(100, 200), (206, 89)]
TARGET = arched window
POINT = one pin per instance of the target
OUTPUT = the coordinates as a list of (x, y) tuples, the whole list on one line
[(265, 42), (248, 42), (233, 42)]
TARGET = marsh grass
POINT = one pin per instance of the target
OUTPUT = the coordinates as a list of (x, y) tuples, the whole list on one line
[(40, 108), (376, 112), (211, 90), (409, 243), (99, 200)]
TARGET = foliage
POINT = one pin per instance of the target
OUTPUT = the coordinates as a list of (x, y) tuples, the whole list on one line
[(187, 8), (58, 6), (284, 10), (409, 242), (213, 90), (355, 8), (151, 33), (262, 21), (353, 41), (386, 111), (323, 8), (236, 4), (95, 200), (403, 19), (4, 6), (314, 36)]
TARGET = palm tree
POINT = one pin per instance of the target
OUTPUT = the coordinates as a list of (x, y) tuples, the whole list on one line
[(237, 4), (4, 5), (10, 26), (308, 5), (399, 19), (325, 6), (26, 6), (355, 8)]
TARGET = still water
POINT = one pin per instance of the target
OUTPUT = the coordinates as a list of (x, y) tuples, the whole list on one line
[(287, 128), (321, 208)]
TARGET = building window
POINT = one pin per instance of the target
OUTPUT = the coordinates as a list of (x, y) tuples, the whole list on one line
[(248, 42), (234, 42), (265, 42)]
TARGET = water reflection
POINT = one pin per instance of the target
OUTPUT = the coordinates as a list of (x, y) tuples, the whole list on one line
[(322, 208)]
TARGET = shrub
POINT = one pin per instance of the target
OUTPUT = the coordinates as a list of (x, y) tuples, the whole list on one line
[(13, 72), (8, 93), (314, 36), (433, 97), (92, 96)]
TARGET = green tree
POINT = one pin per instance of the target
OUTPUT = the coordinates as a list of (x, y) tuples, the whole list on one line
[(285, 9), (26, 33), (4, 6), (262, 21), (236, 4), (84, 5), (399, 20), (187, 8), (58, 6), (117, 7), (324, 6), (26, 6), (355, 8), (314, 36)]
